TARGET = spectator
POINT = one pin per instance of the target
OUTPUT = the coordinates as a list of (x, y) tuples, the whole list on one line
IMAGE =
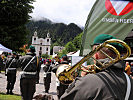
[(128, 68)]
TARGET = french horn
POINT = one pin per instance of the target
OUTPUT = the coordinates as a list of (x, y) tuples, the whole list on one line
[(64, 71)]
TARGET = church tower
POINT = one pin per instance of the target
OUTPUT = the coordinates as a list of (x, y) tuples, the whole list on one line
[(42, 46), (35, 38)]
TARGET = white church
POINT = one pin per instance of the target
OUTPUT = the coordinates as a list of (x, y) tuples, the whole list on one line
[(41, 45)]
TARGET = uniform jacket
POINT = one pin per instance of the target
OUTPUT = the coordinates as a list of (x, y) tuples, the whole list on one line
[(109, 84), (32, 67), (47, 73), (47, 68), (1, 62), (11, 63), (54, 69)]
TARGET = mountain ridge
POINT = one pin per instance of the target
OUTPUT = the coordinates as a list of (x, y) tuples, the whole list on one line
[(60, 33)]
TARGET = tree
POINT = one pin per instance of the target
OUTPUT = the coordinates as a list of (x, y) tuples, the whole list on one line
[(14, 14), (77, 41), (64, 51), (70, 47), (60, 33)]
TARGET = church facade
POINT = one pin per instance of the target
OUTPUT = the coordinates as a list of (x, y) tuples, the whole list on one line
[(41, 45)]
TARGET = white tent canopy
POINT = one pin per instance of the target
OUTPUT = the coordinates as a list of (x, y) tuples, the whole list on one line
[(4, 49)]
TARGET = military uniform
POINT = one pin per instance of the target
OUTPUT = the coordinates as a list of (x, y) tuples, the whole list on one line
[(47, 76), (1, 63), (60, 87), (28, 75), (11, 65), (110, 84)]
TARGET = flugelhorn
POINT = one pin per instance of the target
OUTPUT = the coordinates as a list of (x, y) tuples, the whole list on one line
[(64, 71)]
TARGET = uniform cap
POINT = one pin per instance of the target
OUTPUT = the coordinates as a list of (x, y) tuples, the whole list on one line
[(64, 55), (14, 53), (32, 48), (103, 37)]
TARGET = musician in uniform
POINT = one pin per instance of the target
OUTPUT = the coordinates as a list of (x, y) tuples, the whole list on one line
[(47, 75), (109, 84), (61, 87), (30, 67), (11, 65), (1, 63)]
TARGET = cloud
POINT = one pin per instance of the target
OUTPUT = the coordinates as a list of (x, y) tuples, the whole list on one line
[(66, 11)]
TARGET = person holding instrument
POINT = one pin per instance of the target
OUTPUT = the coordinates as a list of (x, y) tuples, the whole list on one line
[(61, 87), (109, 84)]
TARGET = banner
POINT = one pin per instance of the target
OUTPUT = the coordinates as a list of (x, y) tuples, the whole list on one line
[(114, 17)]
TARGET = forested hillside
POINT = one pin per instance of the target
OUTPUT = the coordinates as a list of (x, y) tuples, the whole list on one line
[(60, 33)]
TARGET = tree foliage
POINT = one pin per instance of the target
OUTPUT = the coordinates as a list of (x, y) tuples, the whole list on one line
[(45, 56), (77, 41), (14, 14), (60, 33), (70, 47), (64, 51), (74, 45)]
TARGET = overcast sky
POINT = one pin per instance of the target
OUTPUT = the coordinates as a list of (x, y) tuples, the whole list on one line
[(66, 11)]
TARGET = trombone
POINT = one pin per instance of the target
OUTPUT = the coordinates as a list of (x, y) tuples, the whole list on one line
[(64, 71)]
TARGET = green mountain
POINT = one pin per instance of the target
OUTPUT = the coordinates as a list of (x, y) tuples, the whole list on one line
[(60, 33)]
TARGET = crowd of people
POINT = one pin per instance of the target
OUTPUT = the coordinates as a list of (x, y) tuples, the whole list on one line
[(30, 66), (108, 84)]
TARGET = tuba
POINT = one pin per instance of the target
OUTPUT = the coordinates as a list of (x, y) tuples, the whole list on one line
[(65, 72)]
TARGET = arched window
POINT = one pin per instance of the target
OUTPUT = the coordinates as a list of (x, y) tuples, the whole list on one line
[(47, 40), (41, 41), (47, 49), (40, 48)]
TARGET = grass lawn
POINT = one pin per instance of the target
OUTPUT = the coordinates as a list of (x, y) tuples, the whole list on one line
[(9, 97)]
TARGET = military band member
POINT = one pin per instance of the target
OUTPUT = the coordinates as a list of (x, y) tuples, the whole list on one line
[(61, 87), (11, 66), (109, 84), (47, 75), (30, 67), (1, 63)]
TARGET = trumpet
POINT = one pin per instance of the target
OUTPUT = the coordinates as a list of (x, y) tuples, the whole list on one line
[(64, 71)]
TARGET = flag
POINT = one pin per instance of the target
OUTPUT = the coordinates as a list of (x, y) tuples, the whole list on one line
[(114, 17)]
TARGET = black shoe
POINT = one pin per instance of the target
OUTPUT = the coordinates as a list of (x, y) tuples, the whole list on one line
[(46, 91), (11, 93), (7, 92)]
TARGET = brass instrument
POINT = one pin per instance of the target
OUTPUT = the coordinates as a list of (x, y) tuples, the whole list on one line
[(64, 71)]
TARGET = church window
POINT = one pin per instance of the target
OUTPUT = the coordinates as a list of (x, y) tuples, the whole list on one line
[(40, 48), (34, 39), (41, 41), (47, 40), (47, 49)]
